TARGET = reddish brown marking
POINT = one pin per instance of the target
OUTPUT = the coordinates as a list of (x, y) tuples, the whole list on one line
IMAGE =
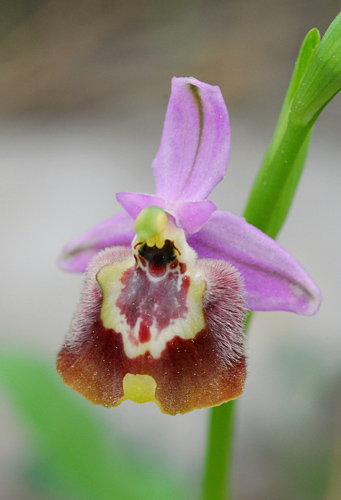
[(183, 268), (176, 248), (145, 299), (189, 374), (143, 262), (144, 332), (174, 264), (157, 270)]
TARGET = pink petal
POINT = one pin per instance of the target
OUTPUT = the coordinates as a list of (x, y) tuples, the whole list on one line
[(273, 278), (118, 230), (195, 144), (133, 203), (191, 215)]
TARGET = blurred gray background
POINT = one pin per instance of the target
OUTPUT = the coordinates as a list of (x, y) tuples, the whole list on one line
[(83, 91)]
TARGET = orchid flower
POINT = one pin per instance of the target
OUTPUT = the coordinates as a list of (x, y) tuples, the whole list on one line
[(170, 278)]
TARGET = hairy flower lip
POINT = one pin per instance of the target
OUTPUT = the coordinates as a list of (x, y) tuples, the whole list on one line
[(196, 358)]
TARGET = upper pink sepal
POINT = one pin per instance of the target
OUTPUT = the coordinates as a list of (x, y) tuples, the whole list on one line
[(195, 144)]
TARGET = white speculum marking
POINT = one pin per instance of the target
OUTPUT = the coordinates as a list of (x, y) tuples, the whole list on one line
[(186, 326)]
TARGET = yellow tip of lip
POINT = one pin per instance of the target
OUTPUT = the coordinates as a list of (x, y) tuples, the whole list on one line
[(139, 388)]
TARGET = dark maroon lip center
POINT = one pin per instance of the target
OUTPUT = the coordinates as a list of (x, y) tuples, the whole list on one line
[(158, 258), (146, 302)]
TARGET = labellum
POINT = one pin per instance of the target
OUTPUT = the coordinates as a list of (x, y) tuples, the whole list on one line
[(157, 324)]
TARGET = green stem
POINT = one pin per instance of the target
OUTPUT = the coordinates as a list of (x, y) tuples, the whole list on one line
[(219, 452), (268, 189)]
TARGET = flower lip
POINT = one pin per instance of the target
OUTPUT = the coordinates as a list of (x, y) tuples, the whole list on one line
[(177, 341)]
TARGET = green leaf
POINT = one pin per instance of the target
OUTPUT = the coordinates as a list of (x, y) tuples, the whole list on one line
[(305, 56), (276, 183), (77, 455), (276, 217), (322, 81), (315, 81)]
